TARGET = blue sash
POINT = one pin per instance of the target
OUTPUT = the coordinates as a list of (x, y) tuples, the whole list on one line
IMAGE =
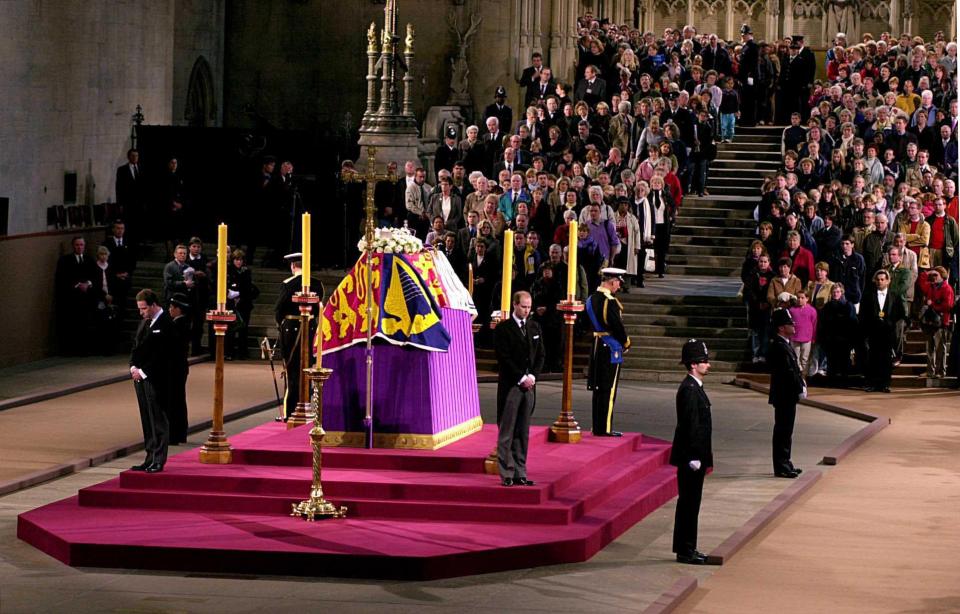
[(616, 348)]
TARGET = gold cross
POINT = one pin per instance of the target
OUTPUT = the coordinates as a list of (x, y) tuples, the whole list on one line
[(370, 177)]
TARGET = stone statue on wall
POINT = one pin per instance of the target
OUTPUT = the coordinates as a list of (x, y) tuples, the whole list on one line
[(459, 85), (841, 16)]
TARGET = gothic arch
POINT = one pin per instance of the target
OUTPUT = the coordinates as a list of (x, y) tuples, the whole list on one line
[(201, 104)]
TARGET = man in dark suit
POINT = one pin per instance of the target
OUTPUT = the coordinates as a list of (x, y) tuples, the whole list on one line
[(592, 88), (486, 270), (75, 294), (509, 163), (287, 315), (199, 294), (519, 349), (715, 57), (179, 309), (806, 74), (122, 261), (531, 74), (692, 451), (130, 192), (493, 142), (880, 312), (499, 109), (610, 341), (150, 369), (786, 388), (749, 76), (538, 91)]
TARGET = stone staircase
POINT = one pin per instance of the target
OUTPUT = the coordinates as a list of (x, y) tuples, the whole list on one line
[(698, 296)]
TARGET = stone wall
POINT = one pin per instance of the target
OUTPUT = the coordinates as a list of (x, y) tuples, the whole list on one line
[(73, 72)]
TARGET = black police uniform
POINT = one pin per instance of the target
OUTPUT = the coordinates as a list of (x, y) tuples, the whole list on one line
[(287, 314), (749, 62), (604, 373), (691, 442)]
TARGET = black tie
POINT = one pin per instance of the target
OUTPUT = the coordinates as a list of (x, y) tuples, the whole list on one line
[(523, 327)]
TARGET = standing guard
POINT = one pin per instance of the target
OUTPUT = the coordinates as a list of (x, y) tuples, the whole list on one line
[(610, 341), (287, 314)]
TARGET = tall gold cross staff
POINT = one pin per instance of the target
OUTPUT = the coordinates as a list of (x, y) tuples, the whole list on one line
[(370, 177)]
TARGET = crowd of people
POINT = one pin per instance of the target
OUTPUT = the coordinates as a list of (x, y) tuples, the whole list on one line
[(616, 150), (857, 231)]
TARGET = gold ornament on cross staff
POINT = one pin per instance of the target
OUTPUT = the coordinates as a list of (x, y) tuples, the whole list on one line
[(370, 178)]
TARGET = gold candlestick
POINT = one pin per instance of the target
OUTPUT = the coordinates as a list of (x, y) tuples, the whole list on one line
[(565, 428), (217, 449), (316, 506), (302, 412)]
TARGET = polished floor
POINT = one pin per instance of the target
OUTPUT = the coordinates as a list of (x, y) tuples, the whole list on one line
[(626, 576)]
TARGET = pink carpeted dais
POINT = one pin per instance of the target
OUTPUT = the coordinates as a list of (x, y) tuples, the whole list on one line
[(412, 514)]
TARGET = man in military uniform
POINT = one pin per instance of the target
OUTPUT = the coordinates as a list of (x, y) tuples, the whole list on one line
[(692, 451), (786, 388), (287, 314), (610, 341), (749, 76)]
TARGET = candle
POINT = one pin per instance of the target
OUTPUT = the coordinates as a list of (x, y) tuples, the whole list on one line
[(470, 280), (305, 260), (222, 258), (507, 283), (572, 262)]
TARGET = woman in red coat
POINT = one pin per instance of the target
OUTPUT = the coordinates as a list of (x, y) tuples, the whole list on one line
[(801, 257)]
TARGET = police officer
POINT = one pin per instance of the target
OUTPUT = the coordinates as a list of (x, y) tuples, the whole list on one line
[(749, 74), (287, 314), (448, 153), (500, 109), (179, 310), (786, 388), (610, 341), (692, 452)]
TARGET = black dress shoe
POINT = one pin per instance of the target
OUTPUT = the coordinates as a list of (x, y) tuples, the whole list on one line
[(660, 276), (692, 558), (885, 389), (616, 434), (869, 389), (154, 468), (140, 467), (786, 474), (524, 482), (507, 481)]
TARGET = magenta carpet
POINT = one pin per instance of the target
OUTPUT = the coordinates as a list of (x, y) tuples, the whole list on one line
[(412, 514)]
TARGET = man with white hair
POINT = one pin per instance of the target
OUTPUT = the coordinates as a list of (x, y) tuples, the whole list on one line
[(926, 103), (595, 197)]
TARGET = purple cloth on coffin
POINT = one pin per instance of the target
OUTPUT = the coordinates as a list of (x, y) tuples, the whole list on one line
[(414, 391)]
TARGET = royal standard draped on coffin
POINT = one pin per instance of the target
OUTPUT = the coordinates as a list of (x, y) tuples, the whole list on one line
[(424, 375)]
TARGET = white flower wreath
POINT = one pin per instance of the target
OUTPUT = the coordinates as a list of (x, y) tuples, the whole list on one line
[(393, 241)]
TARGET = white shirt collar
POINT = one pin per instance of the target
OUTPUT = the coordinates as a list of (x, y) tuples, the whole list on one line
[(697, 379), (156, 317)]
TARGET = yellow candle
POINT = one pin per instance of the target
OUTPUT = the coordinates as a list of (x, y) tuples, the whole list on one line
[(222, 258), (305, 240), (572, 262), (507, 283)]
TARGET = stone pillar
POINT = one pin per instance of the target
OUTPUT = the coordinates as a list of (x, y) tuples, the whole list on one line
[(773, 21), (788, 18), (732, 28), (894, 18)]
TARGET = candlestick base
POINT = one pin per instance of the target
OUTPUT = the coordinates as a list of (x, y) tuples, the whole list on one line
[(498, 316)]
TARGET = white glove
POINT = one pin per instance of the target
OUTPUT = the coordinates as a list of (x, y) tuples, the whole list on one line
[(803, 393), (232, 294), (695, 465)]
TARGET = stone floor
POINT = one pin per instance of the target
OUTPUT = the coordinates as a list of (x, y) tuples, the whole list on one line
[(626, 576)]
